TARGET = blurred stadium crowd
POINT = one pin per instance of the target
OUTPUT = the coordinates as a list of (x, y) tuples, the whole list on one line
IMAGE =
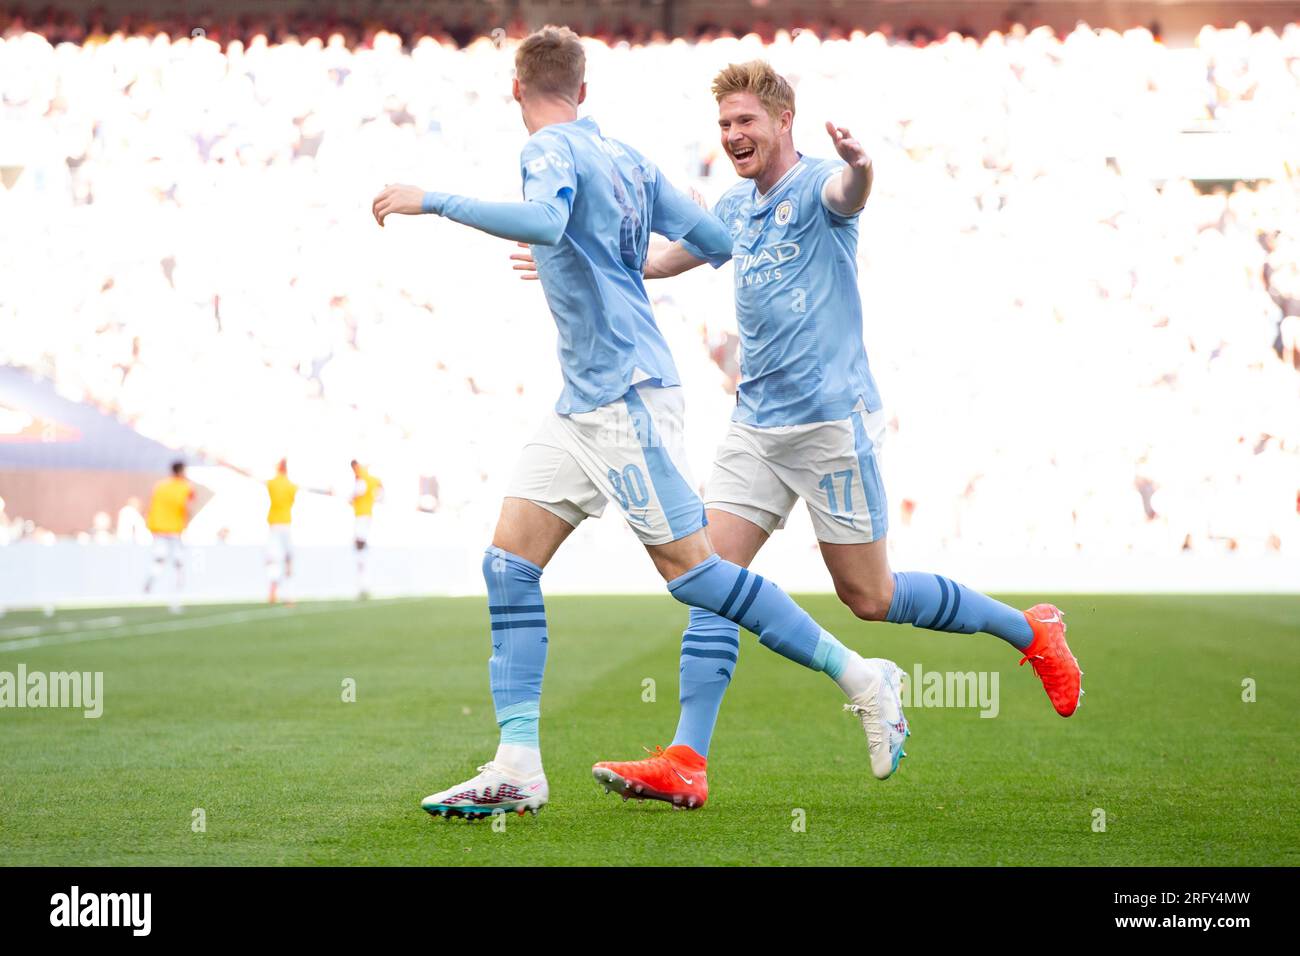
[(458, 26), (1077, 354)]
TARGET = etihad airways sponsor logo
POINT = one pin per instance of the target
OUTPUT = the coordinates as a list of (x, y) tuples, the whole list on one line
[(766, 264), (770, 256)]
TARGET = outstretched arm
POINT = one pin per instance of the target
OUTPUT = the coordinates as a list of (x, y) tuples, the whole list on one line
[(536, 221), (667, 259), (708, 237), (847, 193), (697, 234)]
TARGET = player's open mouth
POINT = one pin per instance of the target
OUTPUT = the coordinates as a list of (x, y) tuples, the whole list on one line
[(742, 153)]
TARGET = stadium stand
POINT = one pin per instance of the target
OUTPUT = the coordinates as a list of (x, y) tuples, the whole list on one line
[(1080, 265)]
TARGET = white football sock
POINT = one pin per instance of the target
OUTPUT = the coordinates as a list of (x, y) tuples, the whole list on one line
[(857, 675), (525, 761)]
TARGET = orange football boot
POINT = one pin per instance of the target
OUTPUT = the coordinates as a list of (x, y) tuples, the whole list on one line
[(1051, 658), (675, 775)]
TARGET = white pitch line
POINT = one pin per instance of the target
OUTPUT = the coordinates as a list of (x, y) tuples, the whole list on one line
[(23, 631), (180, 624), (93, 624), (63, 627), (155, 627)]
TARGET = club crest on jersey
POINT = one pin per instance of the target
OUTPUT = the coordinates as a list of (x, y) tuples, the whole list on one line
[(784, 212)]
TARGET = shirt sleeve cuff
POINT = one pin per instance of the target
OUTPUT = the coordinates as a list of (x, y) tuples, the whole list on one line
[(699, 253)]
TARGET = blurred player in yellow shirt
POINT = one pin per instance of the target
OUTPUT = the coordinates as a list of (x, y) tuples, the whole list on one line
[(279, 548), (364, 493), (169, 513)]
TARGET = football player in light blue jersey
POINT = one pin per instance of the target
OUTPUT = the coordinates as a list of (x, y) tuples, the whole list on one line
[(808, 422), (590, 204)]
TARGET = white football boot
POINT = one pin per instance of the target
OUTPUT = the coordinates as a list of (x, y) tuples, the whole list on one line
[(880, 708), (496, 789)]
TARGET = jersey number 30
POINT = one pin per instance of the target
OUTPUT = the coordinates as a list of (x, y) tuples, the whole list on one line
[(629, 487)]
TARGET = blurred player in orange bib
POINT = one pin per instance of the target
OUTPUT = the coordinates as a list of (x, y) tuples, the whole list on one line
[(169, 508), (366, 490), (279, 545)]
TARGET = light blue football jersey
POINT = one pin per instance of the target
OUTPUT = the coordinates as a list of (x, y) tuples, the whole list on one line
[(797, 302), (592, 278)]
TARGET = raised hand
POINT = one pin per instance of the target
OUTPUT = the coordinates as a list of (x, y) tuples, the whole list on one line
[(850, 150)]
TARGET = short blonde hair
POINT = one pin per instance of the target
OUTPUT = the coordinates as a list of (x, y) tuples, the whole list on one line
[(551, 60), (757, 77)]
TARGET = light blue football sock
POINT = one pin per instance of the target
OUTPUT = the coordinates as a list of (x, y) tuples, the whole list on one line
[(940, 604), (830, 656), (758, 605), (710, 646), (518, 644)]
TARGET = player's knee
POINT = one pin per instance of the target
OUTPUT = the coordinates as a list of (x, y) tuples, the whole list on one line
[(865, 605), (504, 570)]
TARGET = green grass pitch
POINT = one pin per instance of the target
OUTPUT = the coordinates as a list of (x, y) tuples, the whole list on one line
[(238, 711)]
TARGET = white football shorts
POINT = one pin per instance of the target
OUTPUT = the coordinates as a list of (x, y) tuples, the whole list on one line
[(631, 451), (279, 544), (168, 547), (361, 528), (833, 466)]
